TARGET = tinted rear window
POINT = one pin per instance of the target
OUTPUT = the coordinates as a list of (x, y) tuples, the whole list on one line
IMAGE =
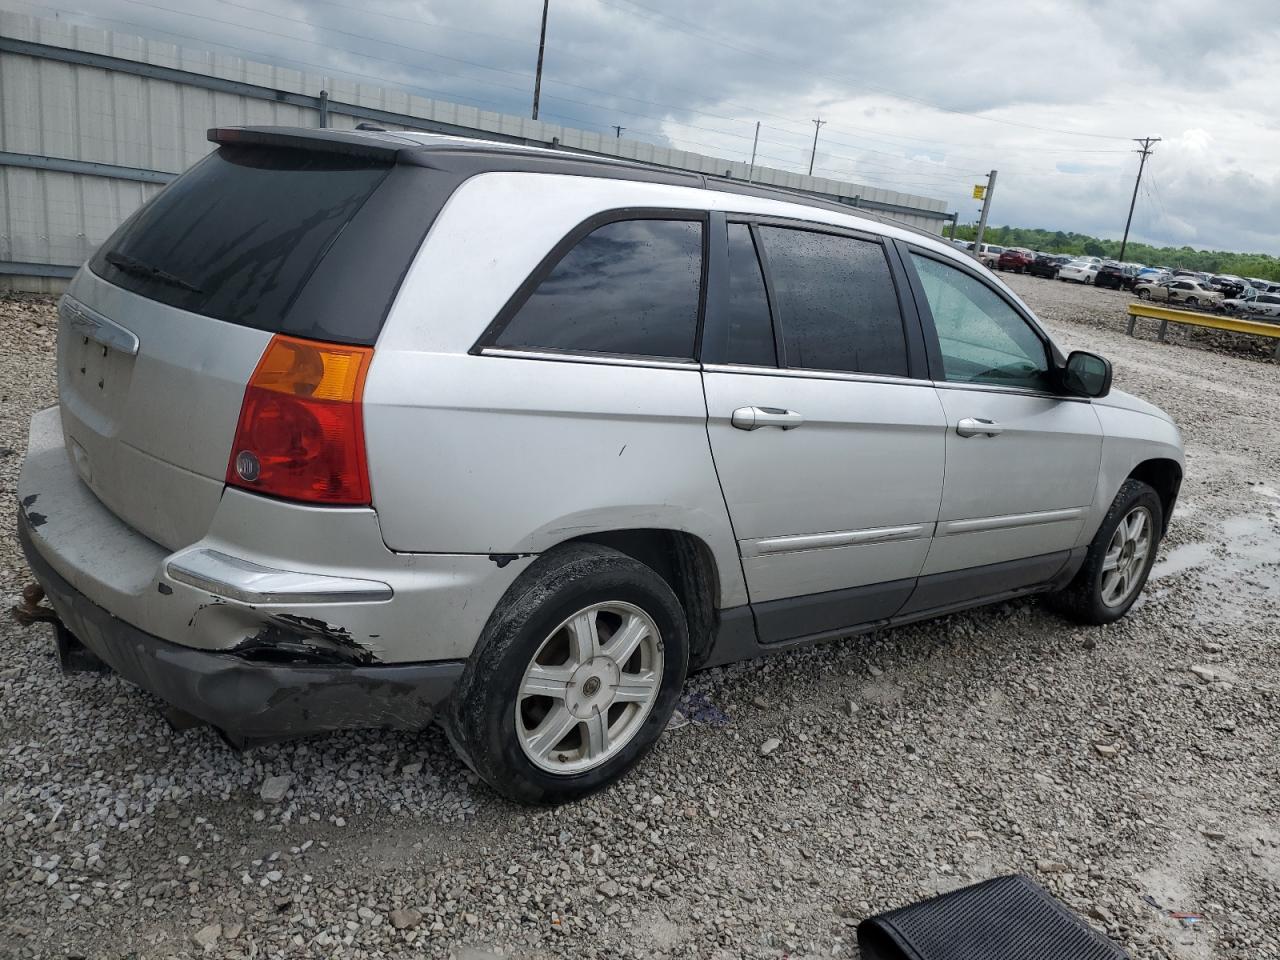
[(628, 287), (237, 236)]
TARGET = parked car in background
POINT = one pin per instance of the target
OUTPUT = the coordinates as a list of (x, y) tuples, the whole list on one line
[(1014, 259), (1229, 286), (347, 439), (988, 254), (1046, 265), (1192, 293), (1078, 271), (1116, 276), (1263, 305)]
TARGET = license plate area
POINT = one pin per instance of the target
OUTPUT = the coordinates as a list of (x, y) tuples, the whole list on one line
[(95, 379)]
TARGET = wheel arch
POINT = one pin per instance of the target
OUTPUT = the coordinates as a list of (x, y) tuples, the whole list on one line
[(1165, 477), (686, 562)]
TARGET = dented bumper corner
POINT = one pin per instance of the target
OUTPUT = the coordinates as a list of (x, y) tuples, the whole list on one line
[(246, 698)]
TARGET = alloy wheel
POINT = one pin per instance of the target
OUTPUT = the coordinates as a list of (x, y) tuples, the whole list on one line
[(1126, 556), (589, 687)]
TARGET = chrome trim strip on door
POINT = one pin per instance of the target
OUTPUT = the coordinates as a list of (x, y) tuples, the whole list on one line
[(101, 330), (813, 374), (606, 359), (949, 527), (1000, 388), (839, 538)]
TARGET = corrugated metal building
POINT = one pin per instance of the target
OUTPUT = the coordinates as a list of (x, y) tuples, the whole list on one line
[(94, 122)]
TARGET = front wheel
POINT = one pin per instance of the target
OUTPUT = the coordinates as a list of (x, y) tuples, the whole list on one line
[(1144, 294), (575, 677), (1119, 558), (1191, 302)]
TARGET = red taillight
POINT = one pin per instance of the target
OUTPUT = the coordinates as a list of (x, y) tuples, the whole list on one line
[(301, 431)]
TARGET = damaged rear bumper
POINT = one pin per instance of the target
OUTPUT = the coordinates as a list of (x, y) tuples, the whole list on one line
[(249, 700)]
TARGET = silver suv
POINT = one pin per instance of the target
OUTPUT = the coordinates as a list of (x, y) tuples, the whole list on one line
[(370, 429)]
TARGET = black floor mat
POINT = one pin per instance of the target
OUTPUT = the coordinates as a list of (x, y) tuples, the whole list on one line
[(1008, 918)]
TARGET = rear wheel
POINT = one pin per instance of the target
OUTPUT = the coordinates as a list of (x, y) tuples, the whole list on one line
[(1144, 294), (575, 678), (1192, 302), (1119, 558)]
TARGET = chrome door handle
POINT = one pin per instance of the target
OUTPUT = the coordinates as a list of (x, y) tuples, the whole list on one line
[(753, 418), (978, 427)]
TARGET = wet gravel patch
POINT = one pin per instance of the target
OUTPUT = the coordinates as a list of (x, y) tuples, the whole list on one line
[(906, 763)]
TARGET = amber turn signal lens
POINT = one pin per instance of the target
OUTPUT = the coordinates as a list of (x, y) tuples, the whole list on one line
[(301, 430), (303, 368)]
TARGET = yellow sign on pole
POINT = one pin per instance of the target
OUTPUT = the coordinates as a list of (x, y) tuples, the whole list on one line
[(979, 191)]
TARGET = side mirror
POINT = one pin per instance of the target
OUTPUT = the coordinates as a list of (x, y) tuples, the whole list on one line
[(1085, 375)]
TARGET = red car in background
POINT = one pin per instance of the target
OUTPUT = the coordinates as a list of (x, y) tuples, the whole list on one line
[(1015, 260)]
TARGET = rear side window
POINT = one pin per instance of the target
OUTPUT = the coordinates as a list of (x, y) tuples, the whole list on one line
[(628, 287), (749, 320), (237, 236), (836, 302)]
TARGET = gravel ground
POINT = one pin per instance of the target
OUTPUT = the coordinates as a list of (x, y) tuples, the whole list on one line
[(911, 762)]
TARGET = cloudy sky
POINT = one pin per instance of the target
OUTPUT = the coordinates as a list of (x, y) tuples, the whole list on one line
[(923, 96)]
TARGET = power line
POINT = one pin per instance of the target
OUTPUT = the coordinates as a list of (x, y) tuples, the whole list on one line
[(1151, 175)]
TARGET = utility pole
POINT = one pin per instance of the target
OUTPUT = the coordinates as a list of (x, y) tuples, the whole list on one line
[(618, 130), (1145, 152), (817, 125), (542, 45), (982, 218), (754, 143)]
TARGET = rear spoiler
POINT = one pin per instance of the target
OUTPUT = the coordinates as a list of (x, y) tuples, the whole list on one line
[(378, 145)]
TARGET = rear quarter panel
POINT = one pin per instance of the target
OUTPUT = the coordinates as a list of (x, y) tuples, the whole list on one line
[(501, 455)]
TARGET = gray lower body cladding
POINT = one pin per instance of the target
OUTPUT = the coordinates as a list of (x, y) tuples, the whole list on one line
[(245, 699)]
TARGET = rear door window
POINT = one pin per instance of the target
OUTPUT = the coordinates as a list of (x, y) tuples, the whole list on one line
[(749, 319), (837, 304), (238, 235), (628, 287)]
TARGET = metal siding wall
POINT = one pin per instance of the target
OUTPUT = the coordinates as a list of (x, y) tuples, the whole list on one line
[(82, 112)]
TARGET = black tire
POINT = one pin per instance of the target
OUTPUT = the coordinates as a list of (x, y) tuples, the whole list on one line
[(1081, 600), (1144, 294), (1192, 302), (481, 719)]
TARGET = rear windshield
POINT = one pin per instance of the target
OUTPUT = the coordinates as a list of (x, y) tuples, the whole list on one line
[(237, 236)]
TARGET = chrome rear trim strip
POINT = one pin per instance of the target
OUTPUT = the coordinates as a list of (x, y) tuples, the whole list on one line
[(249, 582)]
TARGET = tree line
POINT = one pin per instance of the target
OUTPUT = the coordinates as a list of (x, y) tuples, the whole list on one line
[(1258, 265)]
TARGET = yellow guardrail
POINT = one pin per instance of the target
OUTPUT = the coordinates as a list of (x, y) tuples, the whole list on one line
[(1195, 318)]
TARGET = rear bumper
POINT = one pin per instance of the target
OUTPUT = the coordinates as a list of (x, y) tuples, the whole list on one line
[(246, 699), (265, 574)]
